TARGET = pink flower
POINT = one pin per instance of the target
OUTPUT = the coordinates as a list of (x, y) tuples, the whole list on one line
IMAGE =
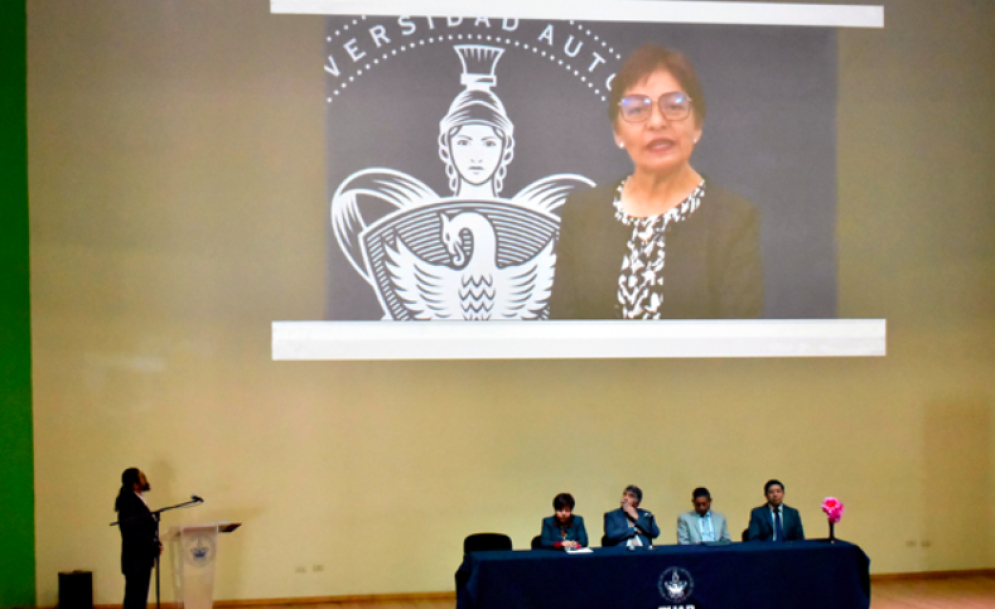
[(833, 508)]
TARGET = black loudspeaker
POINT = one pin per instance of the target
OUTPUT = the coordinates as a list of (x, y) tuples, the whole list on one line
[(76, 590)]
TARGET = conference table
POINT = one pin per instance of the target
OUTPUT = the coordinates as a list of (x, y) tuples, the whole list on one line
[(813, 574)]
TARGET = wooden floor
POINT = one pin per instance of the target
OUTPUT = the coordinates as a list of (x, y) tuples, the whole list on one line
[(955, 592), (410, 604), (976, 591)]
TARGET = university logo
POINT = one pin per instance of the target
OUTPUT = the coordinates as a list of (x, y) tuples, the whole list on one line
[(675, 585), (198, 548), (471, 253)]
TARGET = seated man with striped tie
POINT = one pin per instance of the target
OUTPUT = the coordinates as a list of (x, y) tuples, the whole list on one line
[(702, 525), (775, 521)]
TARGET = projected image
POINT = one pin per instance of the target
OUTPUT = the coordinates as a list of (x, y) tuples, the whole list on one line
[(471, 255), (477, 173)]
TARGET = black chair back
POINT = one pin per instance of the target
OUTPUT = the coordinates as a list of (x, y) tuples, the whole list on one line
[(605, 543), (537, 542), (486, 542), (746, 535)]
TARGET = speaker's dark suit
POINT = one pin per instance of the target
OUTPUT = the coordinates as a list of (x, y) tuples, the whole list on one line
[(139, 548), (618, 531), (762, 524)]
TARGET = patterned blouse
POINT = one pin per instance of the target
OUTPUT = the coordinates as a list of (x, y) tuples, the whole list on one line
[(640, 284)]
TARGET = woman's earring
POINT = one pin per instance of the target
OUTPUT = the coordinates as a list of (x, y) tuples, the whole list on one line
[(621, 144)]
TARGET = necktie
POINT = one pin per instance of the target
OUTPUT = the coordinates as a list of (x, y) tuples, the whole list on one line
[(707, 534), (778, 527)]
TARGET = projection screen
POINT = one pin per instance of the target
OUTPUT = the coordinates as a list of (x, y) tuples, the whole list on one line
[(459, 134)]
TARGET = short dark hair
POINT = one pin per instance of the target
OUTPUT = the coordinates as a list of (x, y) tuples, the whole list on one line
[(651, 58), (563, 500), (635, 490), (771, 483), (701, 492)]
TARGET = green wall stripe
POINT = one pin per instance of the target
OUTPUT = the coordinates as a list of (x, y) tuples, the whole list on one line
[(17, 501)]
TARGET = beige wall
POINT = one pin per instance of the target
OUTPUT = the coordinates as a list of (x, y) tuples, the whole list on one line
[(178, 207)]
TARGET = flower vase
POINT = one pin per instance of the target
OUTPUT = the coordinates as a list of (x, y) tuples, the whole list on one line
[(832, 532)]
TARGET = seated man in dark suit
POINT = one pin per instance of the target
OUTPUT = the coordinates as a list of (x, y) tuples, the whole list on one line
[(775, 521), (630, 525)]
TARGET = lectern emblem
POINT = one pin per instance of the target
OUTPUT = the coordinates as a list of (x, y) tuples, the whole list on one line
[(676, 584), (472, 255), (198, 548)]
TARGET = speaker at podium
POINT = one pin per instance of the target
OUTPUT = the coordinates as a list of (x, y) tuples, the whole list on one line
[(193, 550)]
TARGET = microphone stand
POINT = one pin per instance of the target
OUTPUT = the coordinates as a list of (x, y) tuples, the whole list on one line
[(155, 517)]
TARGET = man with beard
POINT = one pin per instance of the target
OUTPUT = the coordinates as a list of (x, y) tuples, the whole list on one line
[(139, 544)]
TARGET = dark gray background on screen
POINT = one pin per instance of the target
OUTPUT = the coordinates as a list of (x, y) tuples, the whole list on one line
[(770, 133)]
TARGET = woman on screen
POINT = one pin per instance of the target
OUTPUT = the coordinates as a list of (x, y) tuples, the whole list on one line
[(564, 529), (662, 243)]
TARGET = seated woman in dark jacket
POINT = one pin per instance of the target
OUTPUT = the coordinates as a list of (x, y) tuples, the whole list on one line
[(564, 529)]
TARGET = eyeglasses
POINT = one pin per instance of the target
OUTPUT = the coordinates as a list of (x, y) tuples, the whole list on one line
[(674, 106)]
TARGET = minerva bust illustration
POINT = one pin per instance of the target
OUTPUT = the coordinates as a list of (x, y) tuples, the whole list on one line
[(469, 256)]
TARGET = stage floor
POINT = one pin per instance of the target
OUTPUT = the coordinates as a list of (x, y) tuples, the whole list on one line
[(954, 592)]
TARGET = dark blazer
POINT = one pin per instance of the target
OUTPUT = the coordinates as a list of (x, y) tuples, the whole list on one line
[(617, 530), (713, 267), (138, 543), (762, 524), (551, 532)]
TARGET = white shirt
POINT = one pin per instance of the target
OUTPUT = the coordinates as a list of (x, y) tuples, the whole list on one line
[(705, 527), (634, 541)]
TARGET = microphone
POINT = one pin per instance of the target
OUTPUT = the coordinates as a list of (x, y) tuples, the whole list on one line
[(196, 498)]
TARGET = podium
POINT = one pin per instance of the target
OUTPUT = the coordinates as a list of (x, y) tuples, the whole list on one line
[(193, 550)]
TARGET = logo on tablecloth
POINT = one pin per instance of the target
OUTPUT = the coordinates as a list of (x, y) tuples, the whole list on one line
[(676, 586), (198, 548)]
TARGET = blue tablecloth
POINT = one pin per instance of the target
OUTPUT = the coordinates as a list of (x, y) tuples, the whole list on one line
[(812, 574)]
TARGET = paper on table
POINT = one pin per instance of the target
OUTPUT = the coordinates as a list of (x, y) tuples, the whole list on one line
[(580, 551)]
